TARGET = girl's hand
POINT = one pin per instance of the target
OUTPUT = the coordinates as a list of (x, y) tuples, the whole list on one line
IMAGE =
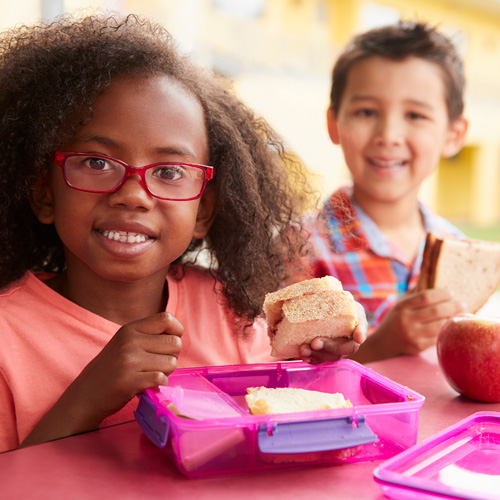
[(327, 349), (411, 326), (140, 355)]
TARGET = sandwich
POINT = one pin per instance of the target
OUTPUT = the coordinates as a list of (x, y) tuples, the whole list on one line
[(298, 313), (469, 268), (263, 400)]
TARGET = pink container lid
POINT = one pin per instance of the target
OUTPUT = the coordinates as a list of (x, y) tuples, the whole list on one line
[(461, 462)]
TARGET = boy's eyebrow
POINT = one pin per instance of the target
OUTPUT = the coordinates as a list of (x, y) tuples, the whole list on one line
[(108, 141), (415, 102)]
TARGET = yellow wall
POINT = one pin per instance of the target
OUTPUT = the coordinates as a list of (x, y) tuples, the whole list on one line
[(454, 177)]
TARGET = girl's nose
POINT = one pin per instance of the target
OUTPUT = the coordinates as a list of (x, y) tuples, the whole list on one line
[(132, 195)]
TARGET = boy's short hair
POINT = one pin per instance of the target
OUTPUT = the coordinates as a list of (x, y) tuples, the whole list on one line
[(397, 42)]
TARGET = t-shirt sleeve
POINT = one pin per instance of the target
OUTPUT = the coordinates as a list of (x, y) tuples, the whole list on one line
[(9, 439)]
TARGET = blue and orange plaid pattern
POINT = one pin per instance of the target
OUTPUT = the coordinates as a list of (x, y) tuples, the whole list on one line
[(346, 243)]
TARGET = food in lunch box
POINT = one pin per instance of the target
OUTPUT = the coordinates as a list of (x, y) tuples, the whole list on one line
[(469, 268), (264, 400), (298, 313)]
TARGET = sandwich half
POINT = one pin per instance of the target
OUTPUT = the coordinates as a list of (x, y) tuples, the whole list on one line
[(297, 314), (264, 400), (469, 268)]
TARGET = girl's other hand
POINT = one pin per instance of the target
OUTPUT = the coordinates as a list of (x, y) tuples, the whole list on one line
[(324, 349)]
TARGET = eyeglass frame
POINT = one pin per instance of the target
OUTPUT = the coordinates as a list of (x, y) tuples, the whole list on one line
[(60, 158)]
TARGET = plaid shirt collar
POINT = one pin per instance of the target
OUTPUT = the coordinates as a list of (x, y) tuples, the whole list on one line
[(351, 229)]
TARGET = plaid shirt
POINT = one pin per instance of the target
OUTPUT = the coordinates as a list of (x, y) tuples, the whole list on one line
[(347, 244)]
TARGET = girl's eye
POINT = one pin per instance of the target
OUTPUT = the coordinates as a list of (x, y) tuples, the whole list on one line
[(169, 173), (98, 164)]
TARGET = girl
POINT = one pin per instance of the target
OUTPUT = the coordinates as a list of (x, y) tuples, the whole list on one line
[(120, 162)]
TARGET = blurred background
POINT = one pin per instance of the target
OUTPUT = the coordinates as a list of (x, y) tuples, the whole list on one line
[(279, 54)]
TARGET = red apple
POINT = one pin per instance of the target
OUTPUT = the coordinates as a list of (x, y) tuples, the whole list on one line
[(468, 349)]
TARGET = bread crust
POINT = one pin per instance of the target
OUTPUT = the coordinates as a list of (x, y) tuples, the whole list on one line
[(423, 282), (434, 262)]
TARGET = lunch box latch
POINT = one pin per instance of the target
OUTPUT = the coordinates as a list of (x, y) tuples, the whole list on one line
[(155, 426), (314, 435)]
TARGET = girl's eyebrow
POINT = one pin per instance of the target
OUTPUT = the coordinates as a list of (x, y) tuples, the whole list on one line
[(107, 141), (99, 139)]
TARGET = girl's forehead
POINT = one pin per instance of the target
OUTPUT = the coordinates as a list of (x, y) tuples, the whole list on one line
[(134, 85), (153, 113)]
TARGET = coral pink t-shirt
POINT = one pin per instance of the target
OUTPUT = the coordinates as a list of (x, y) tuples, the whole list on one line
[(46, 341)]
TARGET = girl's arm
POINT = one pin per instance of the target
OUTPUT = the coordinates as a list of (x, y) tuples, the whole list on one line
[(140, 355)]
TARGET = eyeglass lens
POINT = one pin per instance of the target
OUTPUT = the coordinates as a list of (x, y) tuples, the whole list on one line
[(100, 174)]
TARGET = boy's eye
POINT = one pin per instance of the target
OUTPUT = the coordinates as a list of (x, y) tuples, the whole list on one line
[(366, 112), (415, 116)]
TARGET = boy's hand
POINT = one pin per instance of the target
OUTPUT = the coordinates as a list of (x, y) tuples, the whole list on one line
[(411, 326), (328, 349)]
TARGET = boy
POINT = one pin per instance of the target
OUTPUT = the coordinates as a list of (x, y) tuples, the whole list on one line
[(396, 108)]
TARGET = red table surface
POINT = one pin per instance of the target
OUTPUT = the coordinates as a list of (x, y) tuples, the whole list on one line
[(120, 462)]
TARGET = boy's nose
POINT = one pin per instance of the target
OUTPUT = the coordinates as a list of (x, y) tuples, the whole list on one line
[(389, 130)]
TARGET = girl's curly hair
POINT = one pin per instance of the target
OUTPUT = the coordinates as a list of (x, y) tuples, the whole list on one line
[(52, 72)]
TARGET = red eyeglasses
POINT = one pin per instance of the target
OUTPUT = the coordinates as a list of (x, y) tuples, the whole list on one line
[(103, 174)]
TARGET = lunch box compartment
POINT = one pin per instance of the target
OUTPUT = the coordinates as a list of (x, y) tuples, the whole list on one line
[(382, 422)]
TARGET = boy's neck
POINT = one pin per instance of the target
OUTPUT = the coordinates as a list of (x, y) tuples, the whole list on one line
[(400, 221)]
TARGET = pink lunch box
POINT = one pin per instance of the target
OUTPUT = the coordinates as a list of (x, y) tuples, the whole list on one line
[(223, 438)]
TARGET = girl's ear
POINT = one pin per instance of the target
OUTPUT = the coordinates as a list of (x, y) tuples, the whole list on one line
[(206, 213), (42, 202), (455, 137), (333, 130)]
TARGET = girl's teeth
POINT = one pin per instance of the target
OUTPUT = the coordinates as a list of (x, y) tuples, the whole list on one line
[(124, 237)]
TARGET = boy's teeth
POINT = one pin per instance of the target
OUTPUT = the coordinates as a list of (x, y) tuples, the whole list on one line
[(125, 237), (388, 164)]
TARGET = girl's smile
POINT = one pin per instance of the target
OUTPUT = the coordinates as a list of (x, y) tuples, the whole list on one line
[(125, 240), (124, 236)]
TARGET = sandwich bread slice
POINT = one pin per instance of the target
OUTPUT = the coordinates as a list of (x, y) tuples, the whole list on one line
[(264, 401), (298, 313), (470, 268)]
